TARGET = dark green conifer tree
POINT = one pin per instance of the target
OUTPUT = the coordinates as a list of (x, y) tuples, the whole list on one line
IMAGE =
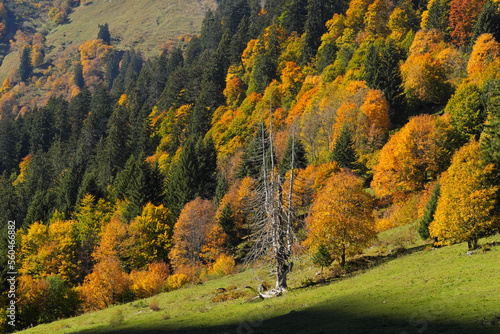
[(438, 15), (251, 159), (294, 15), (490, 138), (78, 75), (112, 69), (428, 217), (193, 175), (25, 67), (343, 151), (299, 156), (226, 222), (115, 151), (488, 22), (104, 33), (323, 257)]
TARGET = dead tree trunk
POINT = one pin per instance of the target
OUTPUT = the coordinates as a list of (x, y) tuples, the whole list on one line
[(273, 229)]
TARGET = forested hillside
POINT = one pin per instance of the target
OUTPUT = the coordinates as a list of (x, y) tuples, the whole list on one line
[(299, 126)]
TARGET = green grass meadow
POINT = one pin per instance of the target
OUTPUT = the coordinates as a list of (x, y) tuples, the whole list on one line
[(420, 290)]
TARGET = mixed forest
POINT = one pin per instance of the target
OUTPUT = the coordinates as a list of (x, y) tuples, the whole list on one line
[(129, 176)]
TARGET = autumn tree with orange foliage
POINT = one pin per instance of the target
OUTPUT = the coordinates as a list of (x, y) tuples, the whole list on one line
[(463, 15), (108, 283), (484, 60), (424, 72), (196, 235), (341, 217), (465, 210), (416, 154)]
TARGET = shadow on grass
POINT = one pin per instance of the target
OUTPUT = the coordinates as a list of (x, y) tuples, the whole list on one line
[(316, 320)]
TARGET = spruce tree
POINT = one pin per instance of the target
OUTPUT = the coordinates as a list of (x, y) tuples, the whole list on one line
[(299, 156), (488, 21), (490, 138), (104, 33), (294, 16), (428, 217), (193, 175), (438, 15), (115, 151), (322, 257), (343, 151), (25, 67), (226, 222), (78, 75), (251, 159)]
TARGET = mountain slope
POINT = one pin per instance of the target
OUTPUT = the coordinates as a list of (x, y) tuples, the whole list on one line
[(141, 24), (439, 291)]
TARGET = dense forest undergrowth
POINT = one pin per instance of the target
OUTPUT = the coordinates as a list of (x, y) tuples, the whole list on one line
[(295, 127)]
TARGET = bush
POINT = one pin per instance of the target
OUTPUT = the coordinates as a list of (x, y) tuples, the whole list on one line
[(154, 305), (116, 318), (177, 281), (223, 266)]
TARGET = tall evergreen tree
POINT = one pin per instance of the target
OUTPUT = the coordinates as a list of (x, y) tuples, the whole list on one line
[(296, 148), (25, 67), (438, 14), (294, 16), (115, 151), (112, 69), (8, 145), (490, 138), (78, 75), (251, 159), (193, 175), (428, 217), (488, 22), (382, 72), (343, 151), (226, 222)]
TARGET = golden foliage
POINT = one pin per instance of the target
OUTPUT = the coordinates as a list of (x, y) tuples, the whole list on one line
[(413, 156), (177, 281), (223, 266), (47, 250), (149, 283), (341, 217), (465, 207), (106, 285), (484, 61), (151, 236)]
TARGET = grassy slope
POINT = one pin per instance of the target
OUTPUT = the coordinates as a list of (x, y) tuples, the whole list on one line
[(140, 24), (438, 291)]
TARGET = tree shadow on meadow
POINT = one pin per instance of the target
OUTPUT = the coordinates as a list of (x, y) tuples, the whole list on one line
[(316, 321)]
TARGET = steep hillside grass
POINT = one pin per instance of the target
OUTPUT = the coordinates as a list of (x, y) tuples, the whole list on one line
[(421, 291), (141, 24), (144, 25)]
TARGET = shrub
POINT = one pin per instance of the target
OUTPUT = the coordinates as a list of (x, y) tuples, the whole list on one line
[(177, 281), (154, 305), (116, 318), (223, 266)]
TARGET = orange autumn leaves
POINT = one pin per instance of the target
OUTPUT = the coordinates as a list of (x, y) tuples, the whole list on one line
[(415, 155)]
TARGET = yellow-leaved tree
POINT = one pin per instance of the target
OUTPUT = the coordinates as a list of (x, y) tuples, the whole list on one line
[(151, 236), (465, 207), (341, 217)]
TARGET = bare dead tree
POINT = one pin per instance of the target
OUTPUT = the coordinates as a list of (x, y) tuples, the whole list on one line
[(273, 235)]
